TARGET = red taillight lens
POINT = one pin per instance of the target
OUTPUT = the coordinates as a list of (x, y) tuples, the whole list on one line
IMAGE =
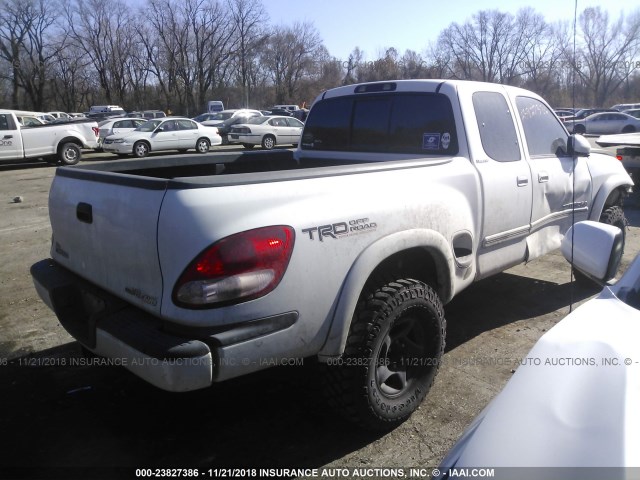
[(96, 130), (237, 268), (619, 157)]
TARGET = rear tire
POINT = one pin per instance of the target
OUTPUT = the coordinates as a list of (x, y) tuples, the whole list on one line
[(391, 358), (248, 146), (69, 153), (579, 129), (202, 145), (628, 129)]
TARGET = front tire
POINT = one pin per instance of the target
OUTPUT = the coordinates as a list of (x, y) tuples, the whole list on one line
[(69, 153), (202, 145), (579, 129), (248, 146), (614, 215), (140, 149), (391, 358)]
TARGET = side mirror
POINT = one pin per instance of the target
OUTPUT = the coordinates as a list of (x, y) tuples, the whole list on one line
[(594, 249), (578, 146)]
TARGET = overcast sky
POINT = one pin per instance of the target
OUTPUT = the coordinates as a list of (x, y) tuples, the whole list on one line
[(374, 25)]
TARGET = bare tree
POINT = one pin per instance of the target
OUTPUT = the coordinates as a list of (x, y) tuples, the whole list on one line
[(250, 21), (103, 31), (71, 79), (16, 18), (493, 46), (42, 45), (608, 51), (290, 56)]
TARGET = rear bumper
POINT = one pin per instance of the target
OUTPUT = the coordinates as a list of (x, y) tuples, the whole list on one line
[(169, 356)]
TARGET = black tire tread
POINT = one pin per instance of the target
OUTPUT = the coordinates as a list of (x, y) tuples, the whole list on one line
[(340, 380)]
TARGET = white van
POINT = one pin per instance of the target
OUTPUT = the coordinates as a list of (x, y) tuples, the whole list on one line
[(104, 108), (214, 106)]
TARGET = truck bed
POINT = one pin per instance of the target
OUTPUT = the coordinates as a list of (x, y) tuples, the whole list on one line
[(219, 169)]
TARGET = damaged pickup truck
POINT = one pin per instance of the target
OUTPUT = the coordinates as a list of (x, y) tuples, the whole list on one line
[(400, 195)]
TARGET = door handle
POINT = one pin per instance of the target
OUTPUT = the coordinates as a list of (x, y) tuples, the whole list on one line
[(523, 181), (543, 177)]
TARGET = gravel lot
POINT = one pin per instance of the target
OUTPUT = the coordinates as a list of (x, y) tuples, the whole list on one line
[(62, 414)]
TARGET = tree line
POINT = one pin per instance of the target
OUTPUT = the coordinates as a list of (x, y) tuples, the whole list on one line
[(177, 54)]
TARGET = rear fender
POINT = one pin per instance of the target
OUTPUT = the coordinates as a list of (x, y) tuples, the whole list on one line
[(431, 241)]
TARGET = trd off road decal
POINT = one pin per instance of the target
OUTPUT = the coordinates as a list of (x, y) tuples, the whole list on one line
[(340, 229)]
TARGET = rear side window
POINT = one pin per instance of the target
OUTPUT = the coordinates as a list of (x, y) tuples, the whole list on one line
[(495, 123), (387, 123)]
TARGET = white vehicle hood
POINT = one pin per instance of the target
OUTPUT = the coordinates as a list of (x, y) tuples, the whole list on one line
[(573, 402)]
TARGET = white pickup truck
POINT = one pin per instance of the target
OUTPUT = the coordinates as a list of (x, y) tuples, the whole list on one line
[(400, 195), (53, 142)]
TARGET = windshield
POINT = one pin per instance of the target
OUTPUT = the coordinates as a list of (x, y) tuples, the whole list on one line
[(149, 126)]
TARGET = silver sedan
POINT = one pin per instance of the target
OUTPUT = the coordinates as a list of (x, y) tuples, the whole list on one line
[(267, 132), (607, 122)]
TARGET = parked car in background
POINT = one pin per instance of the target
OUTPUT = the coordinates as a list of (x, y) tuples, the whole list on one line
[(214, 106), (279, 112), (99, 116), (292, 110), (171, 133), (148, 114), (29, 120), (116, 126), (573, 400), (45, 117), (221, 117), (564, 113), (582, 113), (607, 122), (625, 106), (206, 116), (59, 114), (267, 132), (634, 112), (224, 128)]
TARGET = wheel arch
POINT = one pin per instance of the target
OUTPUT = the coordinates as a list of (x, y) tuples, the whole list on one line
[(424, 255), (612, 192), (142, 140), (69, 139)]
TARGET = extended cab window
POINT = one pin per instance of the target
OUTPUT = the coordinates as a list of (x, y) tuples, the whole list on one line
[(6, 122), (497, 131), (420, 123), (544, 132)]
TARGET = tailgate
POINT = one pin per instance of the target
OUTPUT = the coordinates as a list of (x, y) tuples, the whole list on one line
[(105, 229)]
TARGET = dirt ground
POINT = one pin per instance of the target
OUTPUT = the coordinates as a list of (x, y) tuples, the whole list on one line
[(65, 418)]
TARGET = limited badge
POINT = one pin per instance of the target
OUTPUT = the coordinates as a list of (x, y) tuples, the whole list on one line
[(430, 141)]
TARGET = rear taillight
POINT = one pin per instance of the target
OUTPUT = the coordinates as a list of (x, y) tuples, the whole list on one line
[(96, 130), (619, 157), (237, 268)]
